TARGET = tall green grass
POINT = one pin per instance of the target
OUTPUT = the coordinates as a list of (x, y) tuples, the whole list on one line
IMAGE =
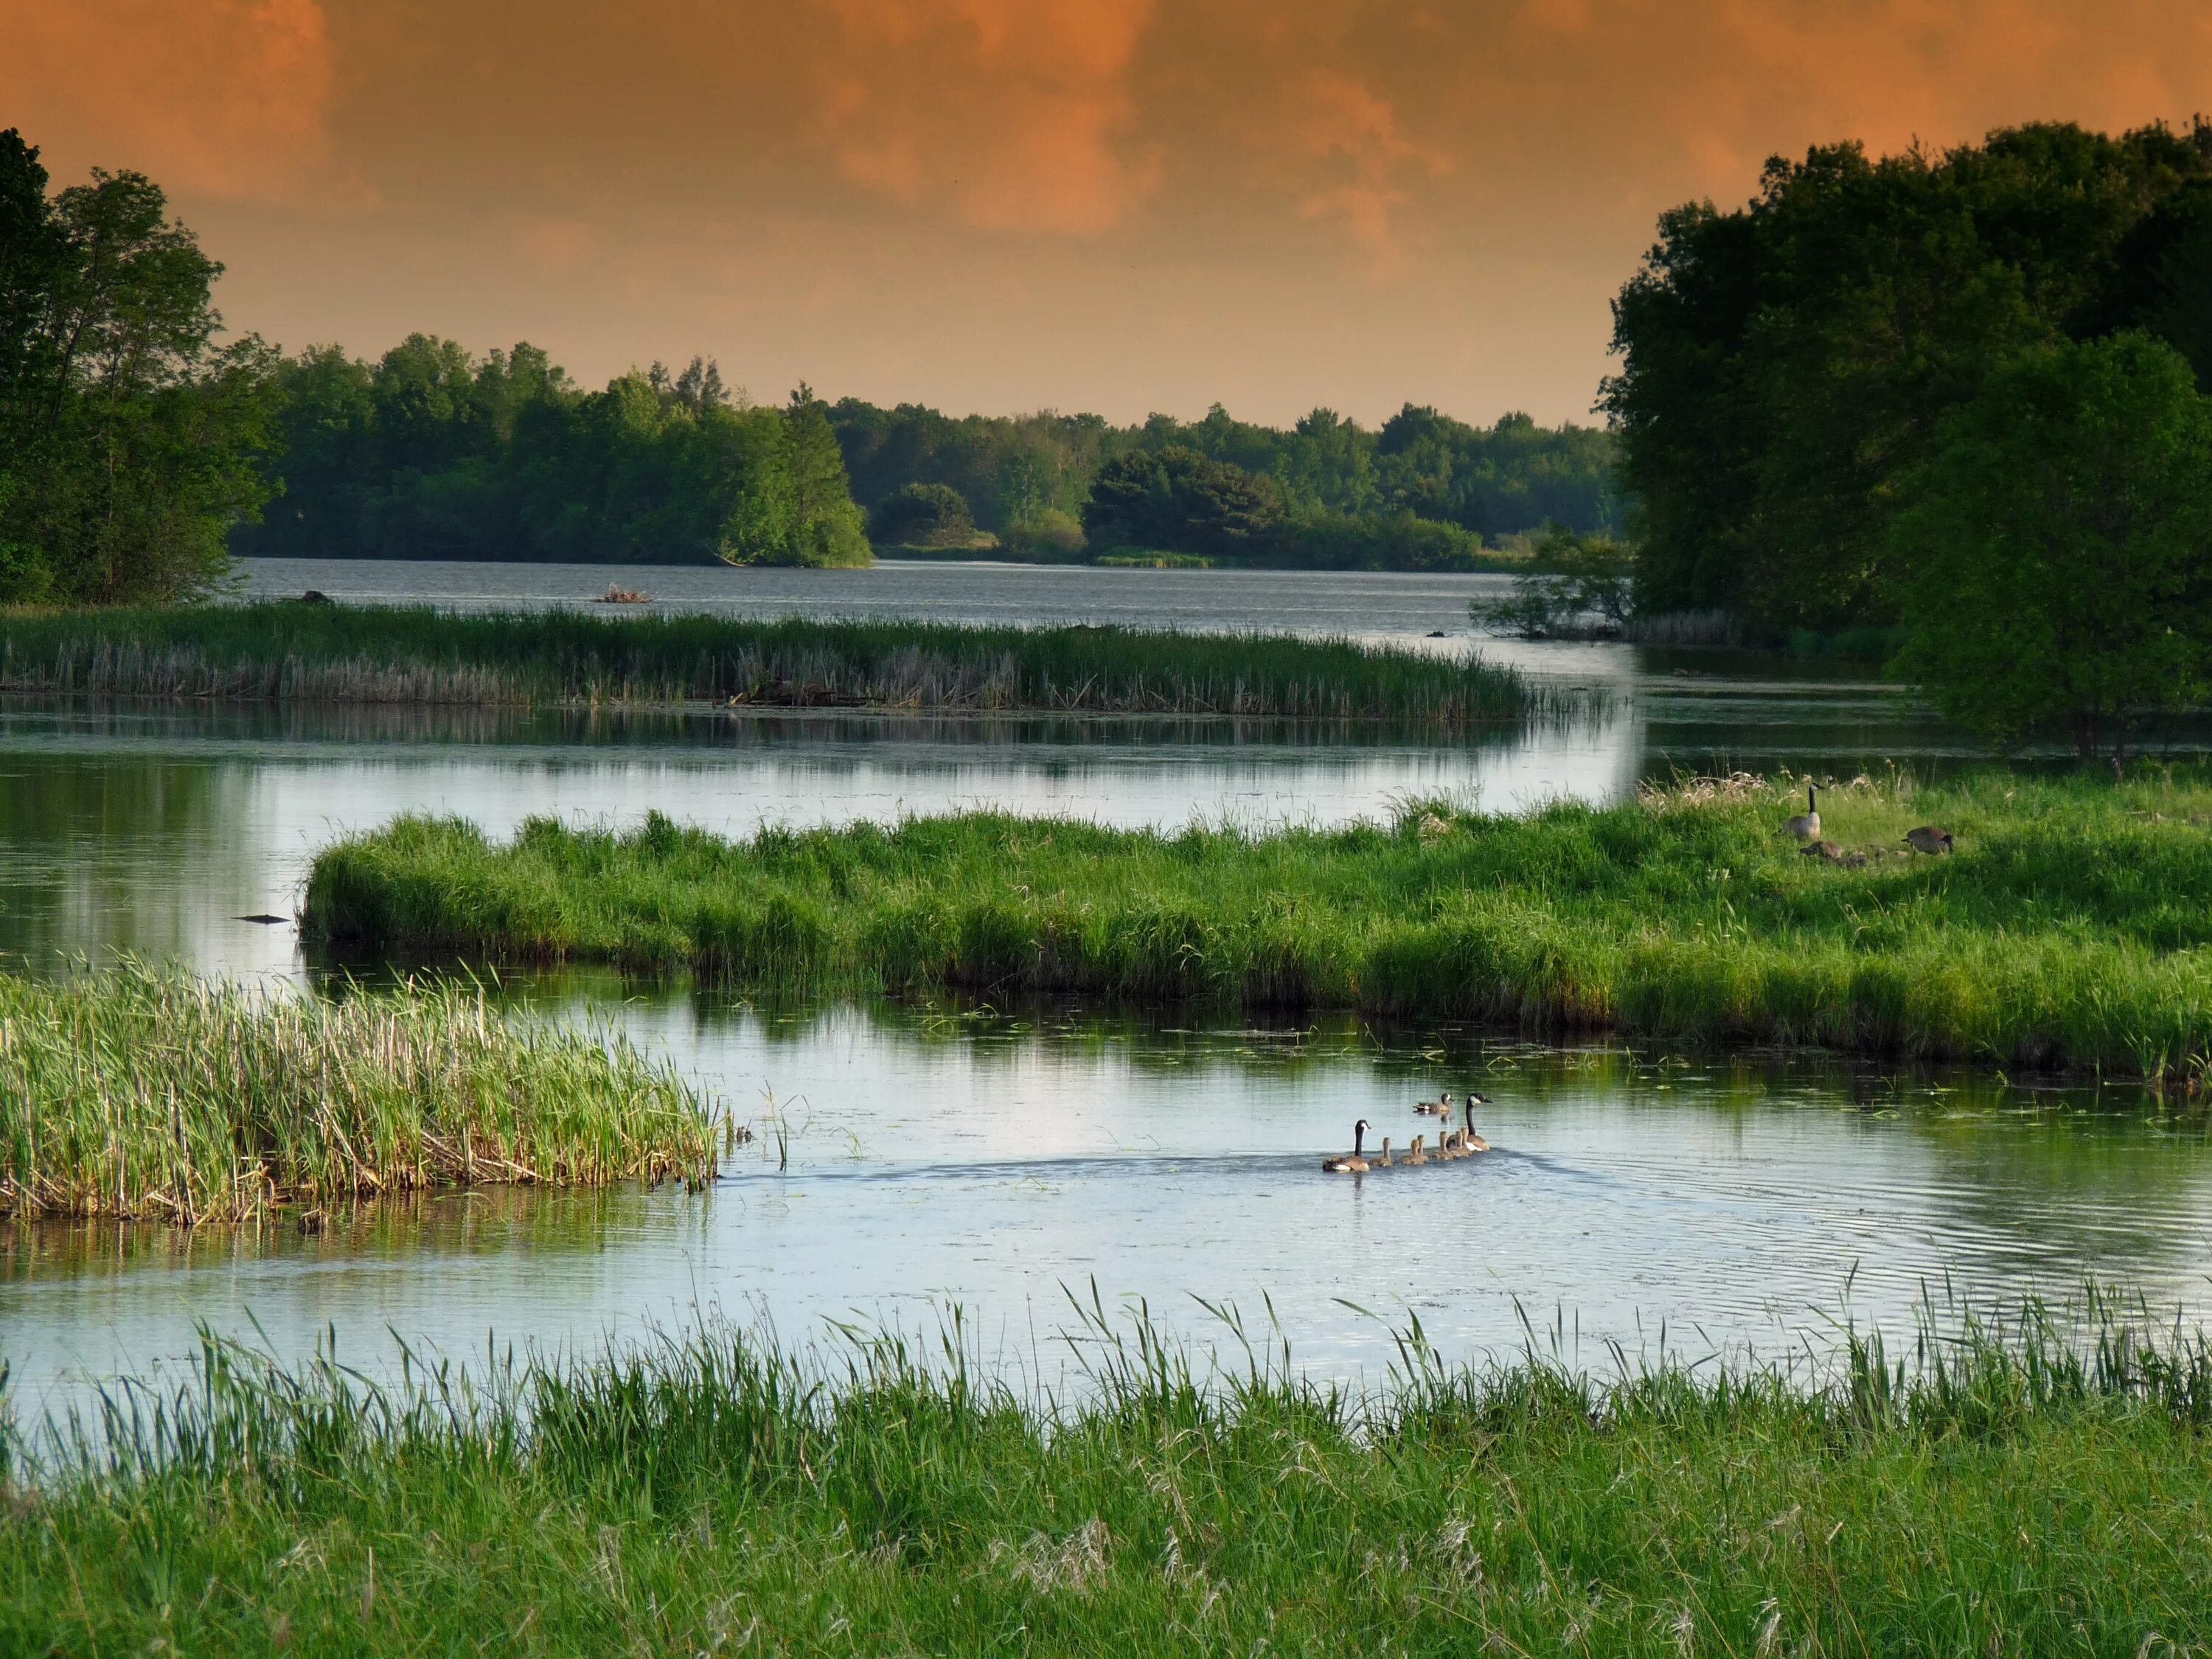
[(349, 653), (138, 1092), (2069, 928), (2018, 1489)]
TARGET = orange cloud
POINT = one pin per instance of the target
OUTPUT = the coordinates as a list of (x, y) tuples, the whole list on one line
[(1014, 112), (223, 98)]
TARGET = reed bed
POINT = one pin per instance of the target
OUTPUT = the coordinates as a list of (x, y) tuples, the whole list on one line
[(343, 654), (143, 1093), (2069, 928), (2015, 1489)]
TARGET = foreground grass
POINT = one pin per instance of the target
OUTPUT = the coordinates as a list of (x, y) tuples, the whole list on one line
[(2013, 1494), (135, 1092), (2071, 927), (349, 653)]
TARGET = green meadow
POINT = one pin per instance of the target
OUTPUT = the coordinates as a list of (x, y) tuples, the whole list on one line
[(2067, 929)]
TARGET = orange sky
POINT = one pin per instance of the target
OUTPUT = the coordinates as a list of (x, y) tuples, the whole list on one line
[(1121, 205)]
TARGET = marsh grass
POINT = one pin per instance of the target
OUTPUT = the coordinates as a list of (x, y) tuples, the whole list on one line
[(344, 654), (2025, 1484), (136, 1092), (2069, 928)]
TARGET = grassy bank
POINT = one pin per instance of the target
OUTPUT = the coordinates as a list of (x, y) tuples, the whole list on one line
[(348, 653), (713, 1495), (2068, 928), (143, 1093)]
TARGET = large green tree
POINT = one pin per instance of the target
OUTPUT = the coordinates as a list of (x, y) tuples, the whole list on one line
[(1785, 366), (2059, 539), (130, 440)]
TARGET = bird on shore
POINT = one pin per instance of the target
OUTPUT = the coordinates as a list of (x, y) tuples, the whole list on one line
[(1928, 839), (1355, 1161), (1806, 825), (1436, 1108)]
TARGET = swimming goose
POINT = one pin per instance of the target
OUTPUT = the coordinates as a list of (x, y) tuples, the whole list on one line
[(1414, 1154), (1355, 1162), (1385, 1161), (1928, 839), (1469, 1141), (1806, 826)]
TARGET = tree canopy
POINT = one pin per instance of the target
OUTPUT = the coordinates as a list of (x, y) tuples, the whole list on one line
[(1786, 365), (2059, 542), (131, 442)]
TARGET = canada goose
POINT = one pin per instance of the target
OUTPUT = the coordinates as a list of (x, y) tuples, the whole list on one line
[(1806, 826), (1928, 839), (1469, 1141), (1386, 1160), (1355, 1162), (1414, 1154), (1436, 1108)]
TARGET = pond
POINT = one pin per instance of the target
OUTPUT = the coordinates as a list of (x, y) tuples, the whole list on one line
[(1000, 1160)]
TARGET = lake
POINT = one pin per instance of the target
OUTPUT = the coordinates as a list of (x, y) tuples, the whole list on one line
[(998, 1158)]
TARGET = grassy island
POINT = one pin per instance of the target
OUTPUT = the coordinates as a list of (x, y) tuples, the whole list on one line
[(347, 654), (2068, 928), (137, 1093), (713, 1495)]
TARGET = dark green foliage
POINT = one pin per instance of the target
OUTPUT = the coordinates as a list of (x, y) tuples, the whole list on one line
[(432, 453), (2072, 926), (1177, 499), (922, 515), (2060, 546), (130, 442), (397, 654), (1585, 585), (1008, 470), (1787, 364), (2009, 1488)]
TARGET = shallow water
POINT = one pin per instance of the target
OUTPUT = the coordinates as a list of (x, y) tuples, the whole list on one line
[(1000, 1162), (991, 1162)]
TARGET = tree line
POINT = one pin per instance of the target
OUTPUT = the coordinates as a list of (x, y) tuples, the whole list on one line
[(1422, 490)]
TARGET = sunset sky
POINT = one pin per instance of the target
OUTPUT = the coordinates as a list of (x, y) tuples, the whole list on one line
[(1115, 205)]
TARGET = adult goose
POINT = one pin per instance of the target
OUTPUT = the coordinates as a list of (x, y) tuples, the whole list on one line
[(1928, 839), (1469, 1141), (1806, 825), (1355, 1161)]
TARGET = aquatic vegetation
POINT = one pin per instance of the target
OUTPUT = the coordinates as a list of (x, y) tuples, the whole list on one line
[(2068, 928), (347, 654), (137, 1092), (2023, 1487)]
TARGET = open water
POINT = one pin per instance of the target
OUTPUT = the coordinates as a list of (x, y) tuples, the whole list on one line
[(998, 1160)]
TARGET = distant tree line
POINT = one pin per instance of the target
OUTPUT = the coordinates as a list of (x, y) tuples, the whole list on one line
[(430, 453), (1963, 395), (1421, 491)]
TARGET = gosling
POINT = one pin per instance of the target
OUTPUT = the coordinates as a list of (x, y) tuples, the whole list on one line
[(1354, 1162), (1415, 1155), (1386, 1161), (1928, 839), (1806, 826)]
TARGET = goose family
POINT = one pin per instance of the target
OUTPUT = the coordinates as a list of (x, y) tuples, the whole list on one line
[(1452, 1144), (1806, 825)]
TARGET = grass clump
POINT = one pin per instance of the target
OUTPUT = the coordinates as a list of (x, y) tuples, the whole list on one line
[(136, 1092), (348, 653), (2071, 927), (714, 1494)]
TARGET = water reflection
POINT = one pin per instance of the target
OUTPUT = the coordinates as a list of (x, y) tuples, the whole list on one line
[(949, 1154)]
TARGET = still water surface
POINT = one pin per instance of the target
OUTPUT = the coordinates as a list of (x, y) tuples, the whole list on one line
[(940, 1156)]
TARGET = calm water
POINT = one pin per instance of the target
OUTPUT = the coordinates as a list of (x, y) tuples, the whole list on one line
[(941, 1157)]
